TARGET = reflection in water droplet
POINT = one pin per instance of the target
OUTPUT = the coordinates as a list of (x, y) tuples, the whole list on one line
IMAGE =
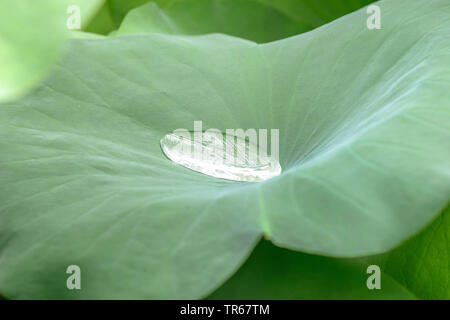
[(231, 158)]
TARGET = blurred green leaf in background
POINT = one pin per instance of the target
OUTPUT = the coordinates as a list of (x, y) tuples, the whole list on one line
[(32, 38), (422, 264), (419, 268), (276, 273), (256, 20)]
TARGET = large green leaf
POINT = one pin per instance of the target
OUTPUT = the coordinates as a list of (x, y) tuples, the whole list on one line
[(364, 144), (32, 38), (257, 20), (275, 273)]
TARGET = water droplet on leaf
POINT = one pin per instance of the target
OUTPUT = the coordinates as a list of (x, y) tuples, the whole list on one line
[(220, 156)]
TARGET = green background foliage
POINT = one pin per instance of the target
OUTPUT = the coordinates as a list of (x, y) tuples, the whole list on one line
[(275, 273), (364, 146), (33, 34), (419, 268)]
